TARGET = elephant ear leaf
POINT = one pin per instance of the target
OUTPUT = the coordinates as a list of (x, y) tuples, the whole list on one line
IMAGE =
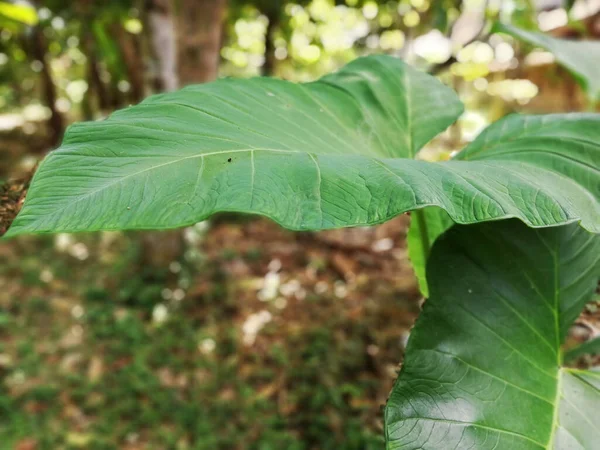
[(579, 57), (333, 153), (309, 156), (483, 366), (567, 145)]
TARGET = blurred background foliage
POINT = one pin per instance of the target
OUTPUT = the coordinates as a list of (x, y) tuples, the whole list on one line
[(232, 334)]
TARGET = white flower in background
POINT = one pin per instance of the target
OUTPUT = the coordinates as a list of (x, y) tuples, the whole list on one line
[(548, 20), (10, 121), (160, 313), (270, 287), (175, 267), (79, 251), (290, 288), (44, 13), (275, 265), (36, 113), (504, 52), (178, 294), (207, 346), (77, 311), (191, 236), (280, 303), (63, 241), (472, 123), (202, 227), (253, 324), (46, 276), (382, 245), (340, 289), (321, 287)]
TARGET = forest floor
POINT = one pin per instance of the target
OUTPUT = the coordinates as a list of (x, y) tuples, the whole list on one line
[(252, 338), (257, 338)]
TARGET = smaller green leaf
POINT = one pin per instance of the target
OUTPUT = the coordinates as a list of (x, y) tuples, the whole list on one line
[(483, 365), (579, 57), (562, 143), (566, 144), (20, 13), (426, 225), (591, 347)]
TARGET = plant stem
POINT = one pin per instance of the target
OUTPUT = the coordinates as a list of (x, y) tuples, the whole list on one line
[(419, 216)]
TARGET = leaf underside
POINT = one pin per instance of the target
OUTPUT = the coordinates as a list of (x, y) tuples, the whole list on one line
[(333, 153), (483, 364)]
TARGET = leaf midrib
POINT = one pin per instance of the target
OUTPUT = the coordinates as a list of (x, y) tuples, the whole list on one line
[(378, 160)]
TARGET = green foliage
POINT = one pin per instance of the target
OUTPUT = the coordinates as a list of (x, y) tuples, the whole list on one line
[(580, 58), (333, 153), (340, 152), (24, 14), (502, 298)]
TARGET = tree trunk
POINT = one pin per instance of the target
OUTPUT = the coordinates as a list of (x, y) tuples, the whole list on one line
[(131, 52), (96, 86), (268, 68), (200, 43), (39, 50), (273, 10), (159, 248), (200, 39), (164, 43)]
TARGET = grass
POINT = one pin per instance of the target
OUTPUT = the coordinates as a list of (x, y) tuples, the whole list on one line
[(87, 363)]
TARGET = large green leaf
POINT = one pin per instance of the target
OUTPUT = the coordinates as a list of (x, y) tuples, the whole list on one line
[(559, 142), (320, 155), (483, 364), (579, 57)]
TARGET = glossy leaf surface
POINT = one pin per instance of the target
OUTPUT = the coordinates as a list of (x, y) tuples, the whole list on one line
[(483, 364)]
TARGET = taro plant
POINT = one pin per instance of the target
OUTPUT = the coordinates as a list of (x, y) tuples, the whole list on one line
[(507, 229)]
